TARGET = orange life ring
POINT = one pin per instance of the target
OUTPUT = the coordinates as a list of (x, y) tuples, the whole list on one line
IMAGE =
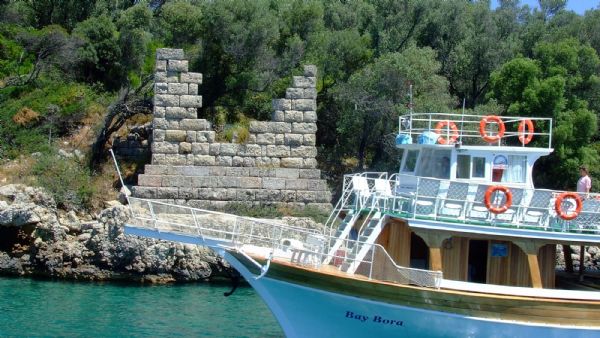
[(450, 139), (525, 136), (558, 205), (488, 199), (483, 132)]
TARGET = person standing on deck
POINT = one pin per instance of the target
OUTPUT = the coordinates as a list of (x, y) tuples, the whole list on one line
[(584, 184)]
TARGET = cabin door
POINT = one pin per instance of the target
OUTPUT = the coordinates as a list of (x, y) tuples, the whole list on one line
[(477, 261)]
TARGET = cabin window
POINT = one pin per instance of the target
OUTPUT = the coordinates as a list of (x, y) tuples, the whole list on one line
[(435, 163), (465, 168), (411, 161), (509, 169), (477, 264)]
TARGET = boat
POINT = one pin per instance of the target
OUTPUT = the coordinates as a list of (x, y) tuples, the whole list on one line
[(457, 243)]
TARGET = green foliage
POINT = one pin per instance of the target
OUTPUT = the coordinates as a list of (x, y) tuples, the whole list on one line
[(180, 23), (67, 180)]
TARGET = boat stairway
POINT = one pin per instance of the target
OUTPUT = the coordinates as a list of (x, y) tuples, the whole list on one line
[(359, 249), (341, 234)]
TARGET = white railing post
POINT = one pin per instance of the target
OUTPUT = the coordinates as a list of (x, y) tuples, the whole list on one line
[(153, 215)]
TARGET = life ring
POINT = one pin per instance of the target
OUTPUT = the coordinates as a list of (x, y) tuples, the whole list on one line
[(488, 199), (558, 205), (525, 136), (483, 132), (451, 139)]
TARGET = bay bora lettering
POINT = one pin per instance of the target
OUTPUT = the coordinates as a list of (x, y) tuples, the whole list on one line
[(375, 319)]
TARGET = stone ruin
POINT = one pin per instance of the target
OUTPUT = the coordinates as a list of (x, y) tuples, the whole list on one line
[(275, 166)]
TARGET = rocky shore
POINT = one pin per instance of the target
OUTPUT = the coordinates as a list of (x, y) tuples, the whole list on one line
[(38, 239)]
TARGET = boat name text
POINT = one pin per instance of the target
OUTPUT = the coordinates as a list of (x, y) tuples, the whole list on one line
[(374, 319)]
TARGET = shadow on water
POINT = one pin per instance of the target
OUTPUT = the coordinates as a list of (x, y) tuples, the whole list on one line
[(40, 307)]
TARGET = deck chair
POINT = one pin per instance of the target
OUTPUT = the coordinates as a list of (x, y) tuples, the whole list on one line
[(426, 198), (454, 203), (360, 188), (477, 210), (512, 213), (382, 193), (537, 212)]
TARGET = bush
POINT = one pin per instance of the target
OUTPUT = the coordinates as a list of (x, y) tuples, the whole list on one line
[(68, 181)]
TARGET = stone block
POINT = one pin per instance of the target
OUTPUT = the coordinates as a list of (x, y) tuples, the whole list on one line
[(143, 192), (230, 171), (279, 127), (200, 148), (193, 89), (193, 171), (188, 193), (282, 104), (160, 123), (310, 93), (175, 136), (244, 194), (309, 163), (294, 140), (149, 180), (304, 82), (228, 149), (205, 136), (191, 78), (185, 148), (169, 77), (165, 148), (166, 100), (250, 182), (177, 65), (169, 54), (150, 169), (173, 181), (288, 196), (304, 104), (316, 185), (291, 162), (237, 161), (307, 196), (273, 183), (287, 173), (160, 66), (158, 135), (261, 172), (190, 136), (294, 116), (167, 192), (268, 195), (161, 88), (224, 160), (278, 116), (265, 138), (294, 93), (204, 160), (304, 128), (258, 126), (295, 184), (309, 116), (279, 139), (250, 150), (309, 173), (178, 113), (157, 159), (190, 101), (175, 159), (177, 88), (159, 112), (214, 149), (303, 151), (194, 124), (278, 151), (249, 162), (310, 70)]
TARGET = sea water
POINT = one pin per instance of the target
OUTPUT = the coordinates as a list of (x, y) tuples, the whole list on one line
[(30, 307)]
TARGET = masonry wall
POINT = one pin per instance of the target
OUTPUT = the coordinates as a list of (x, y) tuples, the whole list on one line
[(275, 166)]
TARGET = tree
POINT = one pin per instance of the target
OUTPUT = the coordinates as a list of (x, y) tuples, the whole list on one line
[(372, 97), (179, 23)]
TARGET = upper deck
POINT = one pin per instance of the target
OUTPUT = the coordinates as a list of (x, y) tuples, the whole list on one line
[(460, 130)]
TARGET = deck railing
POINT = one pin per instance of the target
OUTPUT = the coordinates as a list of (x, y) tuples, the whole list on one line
[(466, 129), (534, 209), (265, 238)]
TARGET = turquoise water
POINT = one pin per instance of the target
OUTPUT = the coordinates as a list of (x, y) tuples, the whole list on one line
[(53, 308)]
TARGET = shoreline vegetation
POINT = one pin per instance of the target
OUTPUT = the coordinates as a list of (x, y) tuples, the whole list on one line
[(77, 78)]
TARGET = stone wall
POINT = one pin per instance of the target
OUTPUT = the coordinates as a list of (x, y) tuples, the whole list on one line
[(275, 166)]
